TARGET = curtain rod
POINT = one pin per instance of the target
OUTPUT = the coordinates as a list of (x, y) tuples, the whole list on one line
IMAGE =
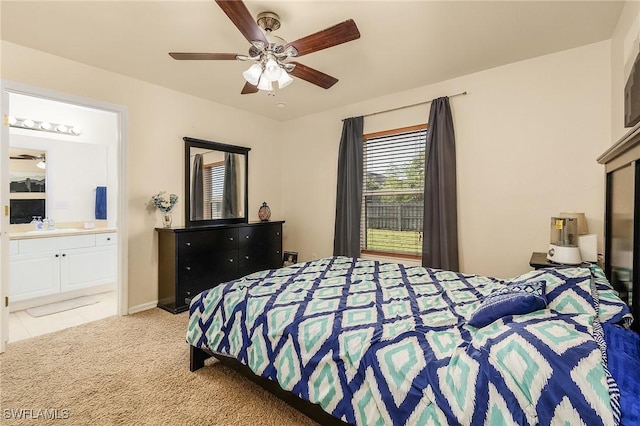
[(407, 106)]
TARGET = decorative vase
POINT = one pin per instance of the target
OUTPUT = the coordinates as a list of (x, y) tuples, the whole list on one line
[(166, 220), (264, 213)]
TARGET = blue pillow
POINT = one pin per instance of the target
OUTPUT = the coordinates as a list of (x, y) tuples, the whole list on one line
[(514, 299)]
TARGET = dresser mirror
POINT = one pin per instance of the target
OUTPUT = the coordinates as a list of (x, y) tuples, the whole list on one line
[(216, 183)]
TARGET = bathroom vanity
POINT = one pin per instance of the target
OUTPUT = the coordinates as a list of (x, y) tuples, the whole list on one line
[(60, 262)]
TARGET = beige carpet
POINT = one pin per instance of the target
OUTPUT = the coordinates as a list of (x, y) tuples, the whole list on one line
[(130, 370)]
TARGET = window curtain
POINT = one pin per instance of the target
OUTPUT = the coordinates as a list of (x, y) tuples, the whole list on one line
[(197, 188), (440, 242), (230, 191), (346, 241)]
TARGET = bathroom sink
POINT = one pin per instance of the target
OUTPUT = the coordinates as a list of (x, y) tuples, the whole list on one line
[(53, 231)]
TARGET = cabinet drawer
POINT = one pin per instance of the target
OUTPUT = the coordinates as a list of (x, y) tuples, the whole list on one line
[(106, 239), (38, 245), (190, 243), (259, 235), (201, 275)]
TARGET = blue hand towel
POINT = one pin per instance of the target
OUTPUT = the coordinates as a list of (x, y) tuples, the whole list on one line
[(101, 202)]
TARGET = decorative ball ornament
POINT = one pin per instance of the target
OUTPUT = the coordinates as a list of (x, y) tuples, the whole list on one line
[(264, 213)]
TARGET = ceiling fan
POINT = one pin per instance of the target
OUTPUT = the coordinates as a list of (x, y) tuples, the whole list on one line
[(272, 54), (40, 158), (27, 157)]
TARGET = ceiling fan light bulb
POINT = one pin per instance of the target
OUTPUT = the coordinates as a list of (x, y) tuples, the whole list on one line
[(272, 70), (45, 125), (265, 84), (28, 123), (76, 130), (41, 165), (12, 121), (284, 80), (61, 128), (252, 75)]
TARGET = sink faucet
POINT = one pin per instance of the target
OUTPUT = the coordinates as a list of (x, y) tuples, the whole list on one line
[(50, 224)]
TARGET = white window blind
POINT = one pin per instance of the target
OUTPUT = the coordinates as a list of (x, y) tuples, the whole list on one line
[(393, 191), (213, 182)]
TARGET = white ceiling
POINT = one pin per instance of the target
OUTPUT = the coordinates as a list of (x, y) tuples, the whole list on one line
[(403, 44)]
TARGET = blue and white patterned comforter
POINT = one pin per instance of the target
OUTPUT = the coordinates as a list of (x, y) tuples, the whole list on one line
[(380, 343)]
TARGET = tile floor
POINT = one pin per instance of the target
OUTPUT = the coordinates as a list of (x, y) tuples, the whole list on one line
[(24, 326)]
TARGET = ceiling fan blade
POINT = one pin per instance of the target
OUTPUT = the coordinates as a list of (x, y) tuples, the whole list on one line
[(249, 88), (241, 17), (203, 56), (313, 76), (338, 34)]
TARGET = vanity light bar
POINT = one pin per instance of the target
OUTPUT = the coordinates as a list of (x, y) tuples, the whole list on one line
[(44, 126)]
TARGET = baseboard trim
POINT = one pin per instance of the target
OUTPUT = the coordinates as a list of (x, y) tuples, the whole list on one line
[(143, 307)]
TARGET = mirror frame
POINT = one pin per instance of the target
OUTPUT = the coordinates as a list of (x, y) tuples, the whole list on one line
[(217, 146)]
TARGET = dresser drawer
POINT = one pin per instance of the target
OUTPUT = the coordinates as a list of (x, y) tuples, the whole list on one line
[(260, 235), (190, 243)]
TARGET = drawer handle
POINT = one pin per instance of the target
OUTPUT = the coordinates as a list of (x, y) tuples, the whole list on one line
[(188, 244), (278, 251), (188, 268), (109, 239), (247, 237), (246, 257), (230, 260), (230, 238), (64, 254), (57, 255), (188, 293), (277, 233)]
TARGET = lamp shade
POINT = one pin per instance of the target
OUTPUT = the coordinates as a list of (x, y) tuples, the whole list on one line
[(272, 70), (284, 80), (252, 75), (265, 84), (583, 227)]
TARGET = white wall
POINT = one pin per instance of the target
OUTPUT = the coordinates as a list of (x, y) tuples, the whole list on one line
[(625, 47), (527, 137), (158, 120)]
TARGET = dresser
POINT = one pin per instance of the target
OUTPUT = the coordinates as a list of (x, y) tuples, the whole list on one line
[(622, 219), (191, 260)]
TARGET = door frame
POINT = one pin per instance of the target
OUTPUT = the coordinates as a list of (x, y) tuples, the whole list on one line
[(122, 114)]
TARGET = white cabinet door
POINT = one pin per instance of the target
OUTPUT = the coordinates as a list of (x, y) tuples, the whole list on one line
[(87, 267), (33, 275)]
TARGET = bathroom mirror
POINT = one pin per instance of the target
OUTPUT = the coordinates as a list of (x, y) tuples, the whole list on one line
[(216, 184)]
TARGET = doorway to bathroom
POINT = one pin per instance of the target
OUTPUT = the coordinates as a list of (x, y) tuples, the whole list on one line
[(63, 248)]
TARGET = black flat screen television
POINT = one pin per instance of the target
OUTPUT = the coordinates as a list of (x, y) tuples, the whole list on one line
[(22, 211), (632, 96)]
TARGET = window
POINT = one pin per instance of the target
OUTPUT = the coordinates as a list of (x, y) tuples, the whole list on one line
[(393, 192), (213, 183)]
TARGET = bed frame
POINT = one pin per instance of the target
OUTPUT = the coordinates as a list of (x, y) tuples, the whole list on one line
[(313, 411)]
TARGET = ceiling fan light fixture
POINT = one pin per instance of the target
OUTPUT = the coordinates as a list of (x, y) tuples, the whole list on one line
[(252, 75), (265, 84), (28, 123), (284, 80), (45, 125), (272, 70), (41, 165)]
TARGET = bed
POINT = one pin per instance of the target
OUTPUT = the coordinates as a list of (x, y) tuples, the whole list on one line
[(353, 341)]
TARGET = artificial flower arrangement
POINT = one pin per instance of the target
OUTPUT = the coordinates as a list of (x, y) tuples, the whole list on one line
[(163, 203)]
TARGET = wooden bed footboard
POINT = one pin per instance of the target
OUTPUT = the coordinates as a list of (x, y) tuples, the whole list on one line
[(313, 411)]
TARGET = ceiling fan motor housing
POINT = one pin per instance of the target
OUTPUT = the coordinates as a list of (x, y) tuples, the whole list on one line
[(268, 21)]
